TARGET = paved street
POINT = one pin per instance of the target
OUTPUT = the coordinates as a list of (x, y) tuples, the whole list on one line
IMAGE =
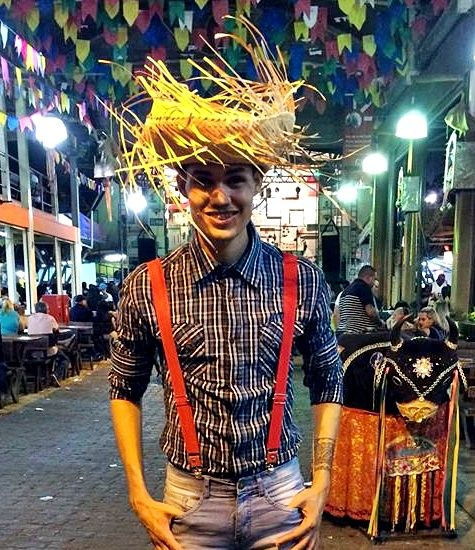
[(62, 484)]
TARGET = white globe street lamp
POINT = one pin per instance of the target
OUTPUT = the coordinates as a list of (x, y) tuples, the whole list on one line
[(374, 163), (135, 201), (50, 131), (412, 125)]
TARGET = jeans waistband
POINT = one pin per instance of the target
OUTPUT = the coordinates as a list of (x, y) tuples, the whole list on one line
[(242, 480)]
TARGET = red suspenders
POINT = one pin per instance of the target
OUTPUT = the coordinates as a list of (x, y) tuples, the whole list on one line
[(185, 414)]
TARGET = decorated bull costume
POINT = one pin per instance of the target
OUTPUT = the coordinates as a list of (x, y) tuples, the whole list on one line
[(396, 457)]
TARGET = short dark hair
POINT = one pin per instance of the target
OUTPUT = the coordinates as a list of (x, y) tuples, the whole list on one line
[(79, 298), (366, 270), (41, 307)]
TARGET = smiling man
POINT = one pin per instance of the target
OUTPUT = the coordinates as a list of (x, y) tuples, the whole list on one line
[(216, 312)]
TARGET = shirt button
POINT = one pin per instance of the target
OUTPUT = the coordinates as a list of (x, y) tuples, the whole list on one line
[(240, 485)]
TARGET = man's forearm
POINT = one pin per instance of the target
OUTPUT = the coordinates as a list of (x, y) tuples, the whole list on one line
[(326, 424), (127, 422)]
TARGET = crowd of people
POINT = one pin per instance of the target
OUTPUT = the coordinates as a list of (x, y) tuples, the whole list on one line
[(358, 309)]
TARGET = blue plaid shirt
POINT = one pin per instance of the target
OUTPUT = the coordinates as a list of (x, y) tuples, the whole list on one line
[(227, 326)]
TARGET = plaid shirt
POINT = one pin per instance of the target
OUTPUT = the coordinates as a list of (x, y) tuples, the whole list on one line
[(227, 326)]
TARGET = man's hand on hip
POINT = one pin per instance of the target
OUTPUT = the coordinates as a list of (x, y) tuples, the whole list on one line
[(156, 517), (311, 502)]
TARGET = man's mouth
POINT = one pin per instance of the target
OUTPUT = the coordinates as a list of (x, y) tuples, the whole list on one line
[(222, 216)]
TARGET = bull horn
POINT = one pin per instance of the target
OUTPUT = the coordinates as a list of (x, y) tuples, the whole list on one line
[(396, 341), (452, 339)]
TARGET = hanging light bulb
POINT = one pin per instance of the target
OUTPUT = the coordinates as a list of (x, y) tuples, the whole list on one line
[(50, 131), (135, 201), (412, 125), (375, 163)]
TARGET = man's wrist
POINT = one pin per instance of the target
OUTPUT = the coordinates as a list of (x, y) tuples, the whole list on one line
[(323, 450)]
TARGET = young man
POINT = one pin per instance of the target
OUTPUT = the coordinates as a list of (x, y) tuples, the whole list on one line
[(225, 292)]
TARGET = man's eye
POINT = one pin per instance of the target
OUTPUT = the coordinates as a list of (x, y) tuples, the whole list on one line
[(235, 182)]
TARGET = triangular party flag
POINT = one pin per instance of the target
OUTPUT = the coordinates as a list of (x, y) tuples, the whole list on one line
[(65, 103), (5, 70), (130, 10), (112, 7), (343, 41), (89, 8), (182, 38), (186, 70), (12, 122), (357, 16), (220, 9), (61, 14), (201, 3), (439, 6), (159, 54), (33, 19), (369, 45), (206, 84), (122, 36), (4, 33), (6, 3), (346, 6), (198, 37), (18, 76), (176, 10), (18, 45), (311, 19), (3, 119), (78, 74), (331, 49), (29, 61), (109, 36), (83, 47), (301, 30), (143, 20), (243, 7), (320, 28), (187, 21), (302, 7), (25, 123)]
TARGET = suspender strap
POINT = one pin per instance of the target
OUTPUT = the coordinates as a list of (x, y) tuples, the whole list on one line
[(280, 393), (185, 414)]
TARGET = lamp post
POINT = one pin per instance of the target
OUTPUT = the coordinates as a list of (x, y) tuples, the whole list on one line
[(375, 164), (412, 126)]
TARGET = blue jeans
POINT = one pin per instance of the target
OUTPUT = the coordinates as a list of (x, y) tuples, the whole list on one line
[(249, 514)]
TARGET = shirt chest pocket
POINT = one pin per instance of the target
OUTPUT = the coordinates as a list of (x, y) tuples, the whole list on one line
[(270, 342), (190, 344)]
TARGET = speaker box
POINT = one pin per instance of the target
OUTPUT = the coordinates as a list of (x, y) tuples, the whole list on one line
[(331, 256), (147, 249)]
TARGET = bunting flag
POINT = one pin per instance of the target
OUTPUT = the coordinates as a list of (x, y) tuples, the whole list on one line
[(130, 10), (89, 9), (302, 8), (83, 47), (176, 9), (112, 8), (369, 45), (182, 38), (201, 3), (220, 9), (344, 41)]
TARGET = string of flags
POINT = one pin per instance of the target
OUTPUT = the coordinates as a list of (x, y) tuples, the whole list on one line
[(357, 59)]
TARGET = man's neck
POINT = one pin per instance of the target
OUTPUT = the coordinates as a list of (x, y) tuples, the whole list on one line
[(226, 253)]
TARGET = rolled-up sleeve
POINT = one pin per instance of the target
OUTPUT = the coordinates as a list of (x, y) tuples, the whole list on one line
[(322, 364), (133, 350)]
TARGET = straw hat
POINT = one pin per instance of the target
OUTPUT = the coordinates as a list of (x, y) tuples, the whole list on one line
[(244, 122)]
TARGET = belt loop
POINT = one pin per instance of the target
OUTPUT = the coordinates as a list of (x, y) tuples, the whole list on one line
[(206, 486)]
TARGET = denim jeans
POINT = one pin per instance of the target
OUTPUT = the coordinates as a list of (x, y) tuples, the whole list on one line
[(249, 514)]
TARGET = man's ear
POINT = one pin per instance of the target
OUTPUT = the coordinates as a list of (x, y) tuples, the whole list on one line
[(258, 178), (181, 179)]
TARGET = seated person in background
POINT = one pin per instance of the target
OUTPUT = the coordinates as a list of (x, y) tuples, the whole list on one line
[(41, 322), (80, 311), (9, 318), (356, 306), (428, 323), (20, 309), (103, 326), (398, 314)]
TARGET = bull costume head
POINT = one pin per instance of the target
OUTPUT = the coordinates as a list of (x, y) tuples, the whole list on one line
[(419, 372)]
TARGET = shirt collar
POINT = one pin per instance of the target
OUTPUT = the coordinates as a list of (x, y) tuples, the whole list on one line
[(248, 266)]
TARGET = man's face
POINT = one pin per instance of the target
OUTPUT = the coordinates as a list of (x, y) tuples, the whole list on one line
[(440, 279), (220, 198)]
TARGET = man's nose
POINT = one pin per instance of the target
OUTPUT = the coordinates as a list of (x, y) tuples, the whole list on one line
[(220, 193)]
